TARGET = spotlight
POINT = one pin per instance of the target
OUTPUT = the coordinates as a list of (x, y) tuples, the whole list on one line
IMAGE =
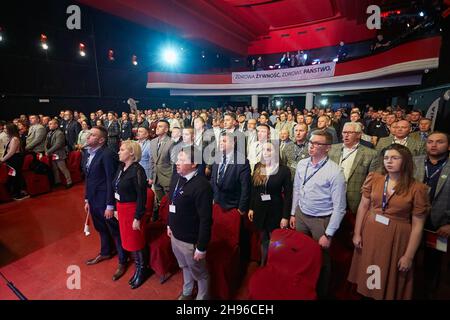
[(1, 34), (170, 56), (336, 59), (421, 14), (134, 60), (82, 49), (316, 61), (44, 44), (203, 55), (278, 103), (324, 102)]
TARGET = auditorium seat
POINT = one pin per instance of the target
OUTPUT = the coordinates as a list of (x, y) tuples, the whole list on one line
[(74, 165), (223, 255), (162, 259), (255, 239), (35, 183), (4, 194), (292, 269), (341, 253)]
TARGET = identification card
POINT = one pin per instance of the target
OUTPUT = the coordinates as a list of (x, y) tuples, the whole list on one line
[(382, 219), (265, 197), (172, 208), (117, 196)]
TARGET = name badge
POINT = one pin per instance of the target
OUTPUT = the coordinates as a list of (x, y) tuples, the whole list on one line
[(117, 196), (172, 208), (382, 219), (265, 197)]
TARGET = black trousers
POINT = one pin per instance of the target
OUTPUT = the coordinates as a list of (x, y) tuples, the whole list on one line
[(109, 234)]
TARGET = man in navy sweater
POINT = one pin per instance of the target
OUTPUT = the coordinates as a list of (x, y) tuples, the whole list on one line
[(190, 221)]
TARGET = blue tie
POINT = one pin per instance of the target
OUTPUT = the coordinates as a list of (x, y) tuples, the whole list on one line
[(222, 166)]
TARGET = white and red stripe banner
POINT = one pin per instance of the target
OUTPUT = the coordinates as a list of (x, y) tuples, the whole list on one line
[(324, 70)]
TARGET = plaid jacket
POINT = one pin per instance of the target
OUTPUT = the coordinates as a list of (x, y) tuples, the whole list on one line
[(417, 147), (366, 160)]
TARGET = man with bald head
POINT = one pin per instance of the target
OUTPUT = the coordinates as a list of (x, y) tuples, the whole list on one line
[(284, 139), (324, 124), (401, 136)]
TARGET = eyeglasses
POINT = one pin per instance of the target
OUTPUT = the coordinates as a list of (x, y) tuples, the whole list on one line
[(349, 132), (318, 144)]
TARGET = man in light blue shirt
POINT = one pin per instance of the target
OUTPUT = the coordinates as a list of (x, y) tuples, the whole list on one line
[(319, 200)]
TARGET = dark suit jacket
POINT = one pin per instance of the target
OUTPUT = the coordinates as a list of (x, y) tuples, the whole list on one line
[(440, 209), (233, 190), (71, 130), (99, 178), (126, 132), (268, 214)]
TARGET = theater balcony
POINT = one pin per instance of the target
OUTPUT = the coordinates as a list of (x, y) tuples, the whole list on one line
[(401, 65)]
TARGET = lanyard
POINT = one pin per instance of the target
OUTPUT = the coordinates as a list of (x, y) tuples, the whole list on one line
[(385, 200), (305, 179), (349, 154), (116, 185), (178, 191), (428, 178)]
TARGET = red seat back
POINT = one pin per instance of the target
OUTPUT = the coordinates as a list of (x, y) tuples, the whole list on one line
[(26, 162), (226, 226), (74, 160), (150, 201), (295, 253), (164, 210), (292, 269), (3, 173)]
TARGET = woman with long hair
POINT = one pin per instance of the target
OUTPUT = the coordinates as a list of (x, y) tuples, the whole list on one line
[(388, 228), (13, 157), (271, 200)]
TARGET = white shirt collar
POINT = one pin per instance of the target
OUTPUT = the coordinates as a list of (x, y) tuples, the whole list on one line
[(189, 176)]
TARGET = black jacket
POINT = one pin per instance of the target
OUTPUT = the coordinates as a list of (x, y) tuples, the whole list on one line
[(192, 219)]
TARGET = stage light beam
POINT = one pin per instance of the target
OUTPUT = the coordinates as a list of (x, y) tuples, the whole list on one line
[(170, 56)]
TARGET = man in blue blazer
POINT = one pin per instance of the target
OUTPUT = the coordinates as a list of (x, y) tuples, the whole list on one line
[(100, 165), (230, 177)]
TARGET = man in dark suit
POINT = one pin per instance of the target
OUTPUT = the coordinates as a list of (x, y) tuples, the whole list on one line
[(230, 181), (100, 165), (125, 128), (230, 177), (433, 169), (71, 129), (113, 132), (55, 148)]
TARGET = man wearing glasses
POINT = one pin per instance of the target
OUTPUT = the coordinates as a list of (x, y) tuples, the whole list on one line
[(318, 205)]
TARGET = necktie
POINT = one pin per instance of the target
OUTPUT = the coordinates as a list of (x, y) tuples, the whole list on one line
[(258, 151), (159, 145), (222, 166)]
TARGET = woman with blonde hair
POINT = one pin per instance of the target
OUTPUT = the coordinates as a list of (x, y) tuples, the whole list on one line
[(130, 191)]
